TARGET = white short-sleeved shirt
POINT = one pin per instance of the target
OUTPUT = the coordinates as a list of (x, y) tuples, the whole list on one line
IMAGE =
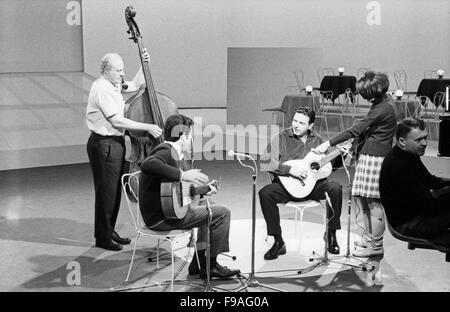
[(105, 100)]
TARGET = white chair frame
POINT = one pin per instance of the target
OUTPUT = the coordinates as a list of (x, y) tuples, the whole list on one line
[(300, 208), (143, 231)]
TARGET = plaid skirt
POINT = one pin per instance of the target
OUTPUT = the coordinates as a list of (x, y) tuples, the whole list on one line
[(367, 175)]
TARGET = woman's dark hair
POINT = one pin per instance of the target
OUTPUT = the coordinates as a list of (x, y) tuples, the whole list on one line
[(406, 125), (307, 112), (372, 85), (175, 126)]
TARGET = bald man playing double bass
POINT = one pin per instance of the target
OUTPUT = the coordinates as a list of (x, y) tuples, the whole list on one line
[(106, 144)]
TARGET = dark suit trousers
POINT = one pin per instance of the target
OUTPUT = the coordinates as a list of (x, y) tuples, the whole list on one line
[(435, 220), (198, 217), (274, 193), (106, 156)]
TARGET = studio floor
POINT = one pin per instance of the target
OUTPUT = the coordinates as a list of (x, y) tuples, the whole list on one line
[(46, 235)]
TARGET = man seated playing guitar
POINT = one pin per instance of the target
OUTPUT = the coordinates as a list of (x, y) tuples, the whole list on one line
[(295, 143), (166, 163)]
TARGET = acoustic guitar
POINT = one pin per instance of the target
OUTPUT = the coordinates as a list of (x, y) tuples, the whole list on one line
[(178, 197), (317, 166)]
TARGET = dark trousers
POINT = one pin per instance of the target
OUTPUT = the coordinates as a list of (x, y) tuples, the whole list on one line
[(197, 217), (274, 193), (106, 156), (434, 222)]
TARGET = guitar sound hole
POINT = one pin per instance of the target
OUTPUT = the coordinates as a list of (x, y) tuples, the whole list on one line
[(315, 166)]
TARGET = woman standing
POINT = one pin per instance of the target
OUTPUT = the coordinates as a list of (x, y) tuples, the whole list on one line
[(375, 134)]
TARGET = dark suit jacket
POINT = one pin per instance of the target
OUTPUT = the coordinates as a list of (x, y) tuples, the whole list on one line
[(405, 185), (378, 126), (160, 166)]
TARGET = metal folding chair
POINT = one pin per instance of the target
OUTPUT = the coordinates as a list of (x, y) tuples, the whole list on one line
[(141, 230)]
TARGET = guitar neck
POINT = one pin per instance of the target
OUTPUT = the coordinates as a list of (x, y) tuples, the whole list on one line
[(329, 157)]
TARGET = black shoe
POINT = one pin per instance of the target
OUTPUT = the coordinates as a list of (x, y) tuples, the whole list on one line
[(220, 272), (333, 246), (120, 240), (193, 267), (278, 248), (109, 245)]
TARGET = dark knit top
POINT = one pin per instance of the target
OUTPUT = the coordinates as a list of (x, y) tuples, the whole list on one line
[(377, 127), (405, 185)]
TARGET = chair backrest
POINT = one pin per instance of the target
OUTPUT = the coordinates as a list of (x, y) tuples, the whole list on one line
[(326, 96), (325, 71), (431, 109), (325, 100), (299, 78), (317, 103), (439, 99), (430, 73), (130, 187), (401, 79), (423, 101), (349, 102)]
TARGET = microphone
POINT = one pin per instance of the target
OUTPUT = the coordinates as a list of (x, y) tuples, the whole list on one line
[(233, 153), (124, 84)]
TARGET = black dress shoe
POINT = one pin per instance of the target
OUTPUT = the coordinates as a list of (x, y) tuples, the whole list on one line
[(278, 248), (333, 246), (120, 240), (193, 267), (109, 245), (220, 272)]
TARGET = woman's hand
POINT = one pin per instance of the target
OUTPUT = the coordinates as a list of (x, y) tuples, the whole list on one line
[(322, 148)]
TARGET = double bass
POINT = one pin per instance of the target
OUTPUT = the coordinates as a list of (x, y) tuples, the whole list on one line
[(146, 105)]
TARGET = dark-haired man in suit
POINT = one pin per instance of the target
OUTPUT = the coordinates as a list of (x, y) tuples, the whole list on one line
[(416, 202), (166, 163)]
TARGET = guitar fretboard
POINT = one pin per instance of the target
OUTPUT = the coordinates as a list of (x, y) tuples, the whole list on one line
[(329, 157)]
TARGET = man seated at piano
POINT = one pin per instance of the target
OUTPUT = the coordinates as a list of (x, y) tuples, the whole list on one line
[(167, 163), (292, 143)]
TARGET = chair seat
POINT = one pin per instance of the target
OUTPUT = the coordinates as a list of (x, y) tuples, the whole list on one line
[(171, 233), (132, 199), (302, 204), (300, 208), (435, 243)]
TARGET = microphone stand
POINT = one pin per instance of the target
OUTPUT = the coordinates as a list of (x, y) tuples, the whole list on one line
[(251, 281), (325, 259), (208, 287), (363, 265)]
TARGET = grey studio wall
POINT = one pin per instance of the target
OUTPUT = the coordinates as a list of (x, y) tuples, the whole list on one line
[(189, 40), (198, 47), (36, 37)]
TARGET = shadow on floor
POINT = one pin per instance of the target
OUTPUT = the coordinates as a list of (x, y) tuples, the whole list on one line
[(48, 231), (97, 273)]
